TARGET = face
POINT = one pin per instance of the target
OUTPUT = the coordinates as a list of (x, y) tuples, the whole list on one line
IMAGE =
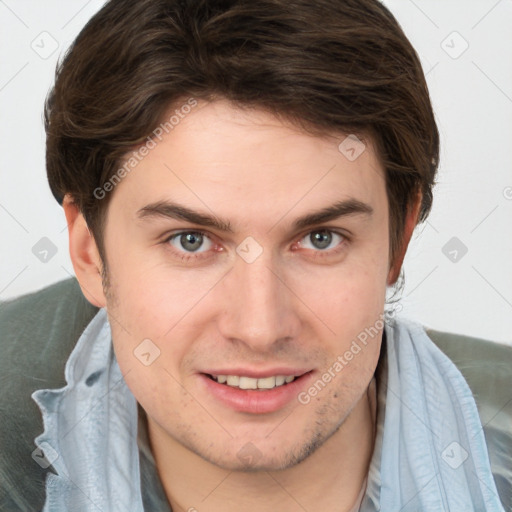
[(240, 246)]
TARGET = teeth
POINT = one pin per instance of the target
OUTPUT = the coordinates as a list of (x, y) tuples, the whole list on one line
[(267, 383), (280, 379), (233, 380), (248, 383), (251, 383)]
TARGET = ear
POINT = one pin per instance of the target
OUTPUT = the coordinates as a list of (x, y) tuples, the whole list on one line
[(84, 254), (411, 220)]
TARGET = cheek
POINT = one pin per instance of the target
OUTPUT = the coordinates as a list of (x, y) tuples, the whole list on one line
[(140, 313), (154, 310), (347, 305), (348, 297), (150, 299), (152, 367)]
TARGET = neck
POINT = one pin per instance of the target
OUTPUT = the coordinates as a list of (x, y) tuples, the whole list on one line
[(329, 479)]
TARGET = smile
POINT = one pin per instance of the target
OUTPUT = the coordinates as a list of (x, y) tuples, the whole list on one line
[(242, 382), (255, 394)]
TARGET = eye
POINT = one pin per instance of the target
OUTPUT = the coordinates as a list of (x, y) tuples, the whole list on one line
[(321, 240), (190, 242)]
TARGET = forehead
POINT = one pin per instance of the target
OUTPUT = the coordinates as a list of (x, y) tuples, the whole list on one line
[(251, 165)]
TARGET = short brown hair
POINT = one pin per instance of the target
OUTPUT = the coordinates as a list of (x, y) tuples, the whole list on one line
[(328, 65)]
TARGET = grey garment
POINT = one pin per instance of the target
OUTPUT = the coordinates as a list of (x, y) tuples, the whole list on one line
[(37, 334), (39, 331)]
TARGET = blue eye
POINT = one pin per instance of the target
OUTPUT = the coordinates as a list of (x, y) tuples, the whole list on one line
[(321, 239), (198, 245), (190, 241)]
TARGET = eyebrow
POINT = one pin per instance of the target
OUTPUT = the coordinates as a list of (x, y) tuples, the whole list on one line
[(347, 207)]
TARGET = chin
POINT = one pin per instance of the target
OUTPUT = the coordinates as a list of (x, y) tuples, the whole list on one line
[(249, 458)]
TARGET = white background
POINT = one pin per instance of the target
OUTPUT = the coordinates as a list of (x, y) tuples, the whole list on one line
[(472, 98)]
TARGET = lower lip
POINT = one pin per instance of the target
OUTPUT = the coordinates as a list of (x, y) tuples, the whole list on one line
[(256, 401)]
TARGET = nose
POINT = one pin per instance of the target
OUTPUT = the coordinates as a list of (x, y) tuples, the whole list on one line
[(261, 309)]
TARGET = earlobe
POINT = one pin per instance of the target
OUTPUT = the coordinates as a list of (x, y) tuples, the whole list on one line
[(84, 254), (410, 223)]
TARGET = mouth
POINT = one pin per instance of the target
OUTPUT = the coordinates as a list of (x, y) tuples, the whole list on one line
[(255, 394), (260, 384)]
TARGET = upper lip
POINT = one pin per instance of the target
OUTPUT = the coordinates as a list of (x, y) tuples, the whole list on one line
[(259, 374)]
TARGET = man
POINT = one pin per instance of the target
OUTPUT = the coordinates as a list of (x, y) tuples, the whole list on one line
[(241, 181)]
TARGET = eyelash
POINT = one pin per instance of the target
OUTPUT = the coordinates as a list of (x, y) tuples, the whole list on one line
[(187, 256)]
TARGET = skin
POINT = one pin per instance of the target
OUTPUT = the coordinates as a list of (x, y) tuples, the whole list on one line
[(296, 305)]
